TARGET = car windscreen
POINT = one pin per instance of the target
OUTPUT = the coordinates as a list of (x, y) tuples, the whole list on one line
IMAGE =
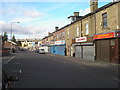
[(42, 49)]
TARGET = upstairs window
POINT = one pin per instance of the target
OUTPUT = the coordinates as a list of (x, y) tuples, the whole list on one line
[(57, 36), (104, 17), (60, 36), (63, 34), (68, 34), (87, 29), (77, 31)]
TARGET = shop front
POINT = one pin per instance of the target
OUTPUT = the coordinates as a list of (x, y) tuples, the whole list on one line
[(107, 47), (84, 48), (58, 48)]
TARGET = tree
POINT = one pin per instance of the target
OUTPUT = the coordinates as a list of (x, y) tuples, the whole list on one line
[(13, 39), (5, 37), (19, 43)]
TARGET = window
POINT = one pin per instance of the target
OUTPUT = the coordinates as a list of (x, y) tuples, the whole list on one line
[(36, 42), (87, 28), (77, 32), (68, 34), (60, 36), (57, 35), (112, 42), (68, 48), (104, 17), (63, 34)]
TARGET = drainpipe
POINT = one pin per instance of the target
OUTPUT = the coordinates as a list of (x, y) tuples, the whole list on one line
[(81, 29), (81, 36), (95, 33), (95, 22)]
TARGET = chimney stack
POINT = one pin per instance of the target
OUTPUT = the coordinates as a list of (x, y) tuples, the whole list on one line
[(76, 13), (93, 5), (56, 28), (49, 33)]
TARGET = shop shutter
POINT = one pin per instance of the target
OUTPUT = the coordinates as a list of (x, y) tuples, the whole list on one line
[(61, 50), (88, 52), (78, 51), (105, 50)]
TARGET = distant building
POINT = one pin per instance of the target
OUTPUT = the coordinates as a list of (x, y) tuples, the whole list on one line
[(29, 43)]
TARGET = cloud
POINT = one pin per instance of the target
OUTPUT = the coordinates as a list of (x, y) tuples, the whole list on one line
[(32, 13), (28, 16), (84, 12), (38, 30), (24, 19), (2, 22)]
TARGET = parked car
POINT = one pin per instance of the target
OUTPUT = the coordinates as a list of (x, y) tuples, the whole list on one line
[(7, 80), (41, 51), (22, 49)]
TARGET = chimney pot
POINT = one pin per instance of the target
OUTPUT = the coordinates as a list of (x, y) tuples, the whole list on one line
[(76, 13), (93, 5), (56, 28)]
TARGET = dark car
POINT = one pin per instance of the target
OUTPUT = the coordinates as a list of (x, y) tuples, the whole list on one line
[(7, 80), (22, 49)]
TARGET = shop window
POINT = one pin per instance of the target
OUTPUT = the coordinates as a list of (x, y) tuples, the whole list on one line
[(113, 42), (104, 17), (36, 42)]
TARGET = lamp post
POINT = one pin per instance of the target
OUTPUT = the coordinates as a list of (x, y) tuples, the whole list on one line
[(11, 35), (11, 28)]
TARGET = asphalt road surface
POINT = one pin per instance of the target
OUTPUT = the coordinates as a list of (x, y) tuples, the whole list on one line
[(51, 71)]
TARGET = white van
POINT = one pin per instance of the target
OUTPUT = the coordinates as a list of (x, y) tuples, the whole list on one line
[(41, 51)]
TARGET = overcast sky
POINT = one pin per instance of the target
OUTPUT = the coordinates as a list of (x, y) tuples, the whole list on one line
[(38, 17)]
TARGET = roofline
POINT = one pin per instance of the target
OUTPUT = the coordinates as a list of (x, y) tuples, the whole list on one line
[(99, 9), (91, 13)]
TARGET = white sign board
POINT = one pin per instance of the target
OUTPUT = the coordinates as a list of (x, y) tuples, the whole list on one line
[(81, 39), (60, 42)]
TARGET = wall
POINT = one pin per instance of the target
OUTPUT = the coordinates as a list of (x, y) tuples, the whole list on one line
[(112, 13), (58, 33), (91, 23), (118, 15), (72, 35)]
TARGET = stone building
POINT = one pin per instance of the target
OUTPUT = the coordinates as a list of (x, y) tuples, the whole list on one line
[(95, 36), (107, 36)]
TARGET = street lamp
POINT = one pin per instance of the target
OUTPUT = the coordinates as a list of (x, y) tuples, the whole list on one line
[(11, 28), (11, 35)]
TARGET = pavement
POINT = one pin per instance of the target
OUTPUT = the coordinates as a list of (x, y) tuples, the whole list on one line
[(87, 62)]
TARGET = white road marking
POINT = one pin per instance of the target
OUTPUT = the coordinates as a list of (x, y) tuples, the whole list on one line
[(17, 63), (9, 60), (20, 71)]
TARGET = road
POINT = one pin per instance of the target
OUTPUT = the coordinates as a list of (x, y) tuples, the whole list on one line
[(51, 71)]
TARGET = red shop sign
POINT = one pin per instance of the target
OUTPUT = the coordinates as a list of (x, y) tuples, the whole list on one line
[(106, 35)]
